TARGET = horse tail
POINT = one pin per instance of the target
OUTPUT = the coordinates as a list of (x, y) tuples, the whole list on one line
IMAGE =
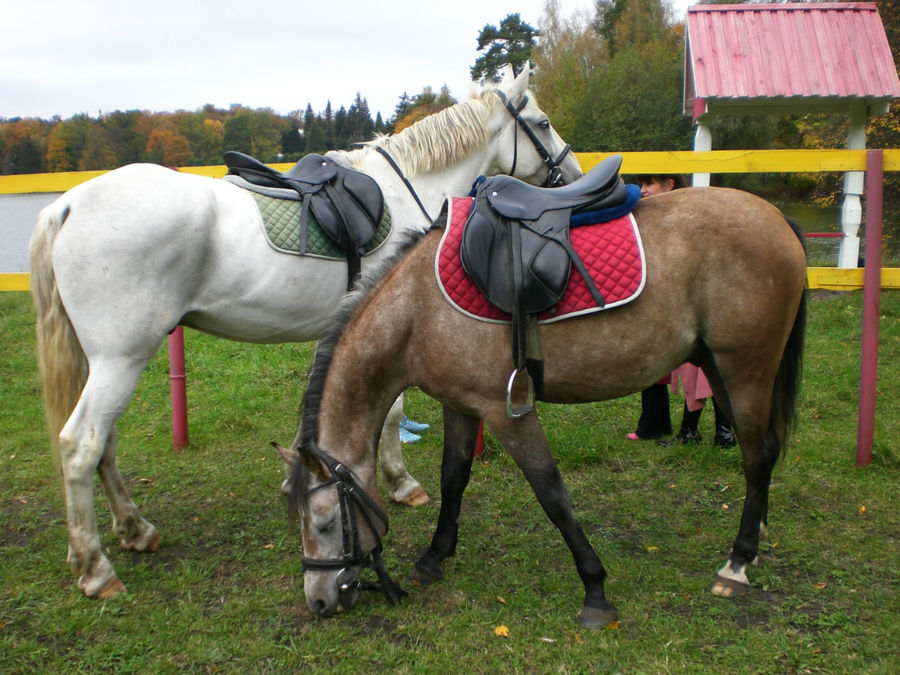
[(61, 361), (787, 379)]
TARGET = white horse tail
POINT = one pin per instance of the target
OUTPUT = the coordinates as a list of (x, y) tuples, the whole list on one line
[(61, 361)]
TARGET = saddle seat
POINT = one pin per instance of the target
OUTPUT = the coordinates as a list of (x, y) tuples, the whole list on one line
[(347, 204), (598, 189)]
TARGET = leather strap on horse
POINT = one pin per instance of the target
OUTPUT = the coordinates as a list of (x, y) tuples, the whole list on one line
[(390, 160)]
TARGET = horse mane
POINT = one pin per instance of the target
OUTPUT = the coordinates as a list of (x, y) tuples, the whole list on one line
[(312, 396), (437, 140)]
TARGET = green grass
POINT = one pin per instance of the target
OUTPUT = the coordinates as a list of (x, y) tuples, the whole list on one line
[(224, 592)]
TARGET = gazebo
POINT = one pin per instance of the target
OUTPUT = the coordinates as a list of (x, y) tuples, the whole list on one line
[(791, 58)]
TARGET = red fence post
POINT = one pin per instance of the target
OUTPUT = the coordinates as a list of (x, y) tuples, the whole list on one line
[(871, 305), (177, 388)]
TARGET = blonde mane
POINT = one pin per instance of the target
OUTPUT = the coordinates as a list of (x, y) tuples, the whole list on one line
[(437, 140)]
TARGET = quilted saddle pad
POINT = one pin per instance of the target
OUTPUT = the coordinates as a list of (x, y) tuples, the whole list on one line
[(611, 251), (281, 225)]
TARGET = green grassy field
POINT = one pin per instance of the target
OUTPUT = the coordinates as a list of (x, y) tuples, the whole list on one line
[(224, 592)]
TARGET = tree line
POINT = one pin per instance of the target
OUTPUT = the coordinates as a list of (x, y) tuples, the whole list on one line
[(183, 138)]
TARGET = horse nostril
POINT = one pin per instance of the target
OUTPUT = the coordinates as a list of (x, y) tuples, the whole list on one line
[(319, 608)]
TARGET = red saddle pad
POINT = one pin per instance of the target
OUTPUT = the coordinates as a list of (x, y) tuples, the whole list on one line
[(611, 251)]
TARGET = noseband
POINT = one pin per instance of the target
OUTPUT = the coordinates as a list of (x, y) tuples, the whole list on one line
[(350, 494), (554, 172)]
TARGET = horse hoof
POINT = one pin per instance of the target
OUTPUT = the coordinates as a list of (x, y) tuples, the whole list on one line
[(729, 588), (112, 589), (594, 619), (410, 493), (147, 542), (90, 585), (425, 577), (418, 498)]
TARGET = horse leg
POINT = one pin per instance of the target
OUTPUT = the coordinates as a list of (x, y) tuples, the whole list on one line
[(750, 409), (404, 488), (85, 443), (460, 435), (525, 441), (135, 533)]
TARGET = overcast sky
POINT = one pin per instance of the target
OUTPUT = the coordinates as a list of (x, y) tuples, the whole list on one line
[(63, 57)]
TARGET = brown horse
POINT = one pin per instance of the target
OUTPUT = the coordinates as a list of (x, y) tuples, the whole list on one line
[(725, 289)]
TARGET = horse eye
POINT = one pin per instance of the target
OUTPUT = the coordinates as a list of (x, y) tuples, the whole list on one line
[(324, 526), (544, 124)]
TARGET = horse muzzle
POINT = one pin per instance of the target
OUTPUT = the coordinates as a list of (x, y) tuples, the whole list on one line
[(328, 594)]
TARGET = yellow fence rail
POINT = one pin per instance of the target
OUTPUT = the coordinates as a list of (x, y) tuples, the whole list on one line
[(715, 161)]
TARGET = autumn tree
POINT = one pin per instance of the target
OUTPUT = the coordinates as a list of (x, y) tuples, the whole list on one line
[(421, 106)]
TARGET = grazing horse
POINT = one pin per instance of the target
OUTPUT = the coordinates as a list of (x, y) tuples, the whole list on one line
[(121, 260), (724, 288)]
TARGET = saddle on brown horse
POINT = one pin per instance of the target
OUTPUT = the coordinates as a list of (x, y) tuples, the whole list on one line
[(347, 204), (516, 248)]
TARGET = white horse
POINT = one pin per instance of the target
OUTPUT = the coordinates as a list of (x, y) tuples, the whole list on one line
[(121, 260)]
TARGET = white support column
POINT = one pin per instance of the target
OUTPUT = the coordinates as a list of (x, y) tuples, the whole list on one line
[(854, 182), (702, 143)]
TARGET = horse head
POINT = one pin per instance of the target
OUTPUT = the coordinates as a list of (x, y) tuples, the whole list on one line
[(542, 157), (341, 529)]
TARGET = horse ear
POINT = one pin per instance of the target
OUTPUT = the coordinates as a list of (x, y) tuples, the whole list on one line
[(288, 455), (508, 78), (515, 87)]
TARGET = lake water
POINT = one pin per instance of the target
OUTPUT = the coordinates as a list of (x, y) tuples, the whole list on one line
[(18, 214)]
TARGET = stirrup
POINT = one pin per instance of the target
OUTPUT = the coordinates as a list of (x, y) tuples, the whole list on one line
[(514, 413)]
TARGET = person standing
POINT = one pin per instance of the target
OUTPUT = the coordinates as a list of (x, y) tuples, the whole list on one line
[(655, 420)]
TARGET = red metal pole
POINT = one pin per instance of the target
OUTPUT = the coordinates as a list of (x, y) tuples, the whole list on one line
[(871, 305), (479, 440), (177, 389)]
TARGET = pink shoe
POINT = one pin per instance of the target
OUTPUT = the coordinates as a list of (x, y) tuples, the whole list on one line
[(633, 437)]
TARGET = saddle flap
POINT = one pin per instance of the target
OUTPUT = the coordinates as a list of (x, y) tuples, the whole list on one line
[(486, 253)]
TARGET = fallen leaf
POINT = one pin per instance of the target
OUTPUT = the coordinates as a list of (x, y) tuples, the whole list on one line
[(501, 600), (821, 585), (501, 631), (862, 510), (725, 507), (579, 639), (547, 640), (653, 548), (612, 625), (269, 547)]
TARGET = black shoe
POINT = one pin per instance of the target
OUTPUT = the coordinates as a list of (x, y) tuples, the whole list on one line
[(684, 437), (725, 438)]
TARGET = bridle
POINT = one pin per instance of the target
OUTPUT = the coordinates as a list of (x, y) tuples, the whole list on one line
[(554, 172), (350, 494)]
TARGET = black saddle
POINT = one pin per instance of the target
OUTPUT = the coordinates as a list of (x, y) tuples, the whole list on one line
[(516, 246), (347, 204)]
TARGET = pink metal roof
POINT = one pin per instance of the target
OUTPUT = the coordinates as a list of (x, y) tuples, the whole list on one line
[(799, 51)]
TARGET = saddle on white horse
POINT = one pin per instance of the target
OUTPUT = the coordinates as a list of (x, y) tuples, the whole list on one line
[(347, 205)]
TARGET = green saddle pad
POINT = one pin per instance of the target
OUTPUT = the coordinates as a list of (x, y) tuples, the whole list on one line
[(281, 223)]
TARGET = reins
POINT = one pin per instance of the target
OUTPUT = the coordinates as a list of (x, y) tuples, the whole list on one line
[(350, 494)]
